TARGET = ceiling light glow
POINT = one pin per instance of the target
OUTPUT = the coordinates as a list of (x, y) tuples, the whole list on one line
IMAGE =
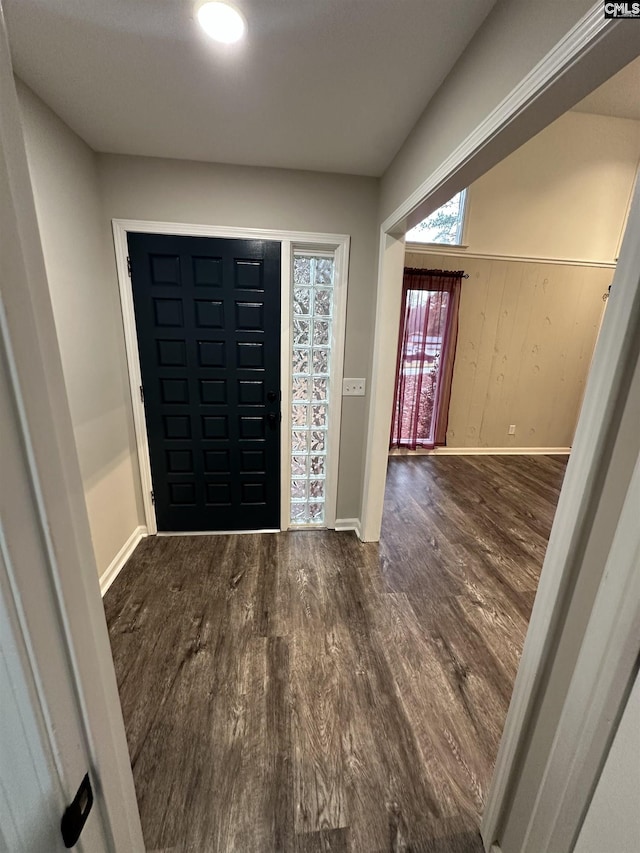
[(221, 22)]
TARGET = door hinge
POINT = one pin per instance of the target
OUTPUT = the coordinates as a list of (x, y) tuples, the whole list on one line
[(141, 395), (129, 266), (153, 498), (75, 816)]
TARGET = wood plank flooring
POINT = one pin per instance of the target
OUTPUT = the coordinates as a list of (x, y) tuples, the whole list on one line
[(304, 692)]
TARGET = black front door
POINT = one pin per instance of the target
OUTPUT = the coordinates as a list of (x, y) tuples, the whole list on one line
[(208, 320)]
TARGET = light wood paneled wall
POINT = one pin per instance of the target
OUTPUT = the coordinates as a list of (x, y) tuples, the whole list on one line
[(525, 341)]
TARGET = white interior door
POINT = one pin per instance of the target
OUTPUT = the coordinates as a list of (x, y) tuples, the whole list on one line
[(30, 802), (43, 745)]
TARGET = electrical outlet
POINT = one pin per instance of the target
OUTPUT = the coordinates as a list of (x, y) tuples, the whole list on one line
[(512, 429), (353, 387)]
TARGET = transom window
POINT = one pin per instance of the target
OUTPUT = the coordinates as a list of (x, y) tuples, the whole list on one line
[(444, 225)]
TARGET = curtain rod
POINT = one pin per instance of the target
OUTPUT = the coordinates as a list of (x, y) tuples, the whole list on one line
[(452, 273)]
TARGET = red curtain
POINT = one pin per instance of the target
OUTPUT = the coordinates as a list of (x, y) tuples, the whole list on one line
[(426, 351)]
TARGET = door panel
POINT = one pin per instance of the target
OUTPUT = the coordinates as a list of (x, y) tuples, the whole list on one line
[(208, 321)]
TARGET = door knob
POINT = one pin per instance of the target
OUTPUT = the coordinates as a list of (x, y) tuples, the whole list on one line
[(273, 419), (272, 396)]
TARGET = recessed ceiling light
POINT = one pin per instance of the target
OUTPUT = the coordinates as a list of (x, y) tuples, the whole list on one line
[(222, 22)]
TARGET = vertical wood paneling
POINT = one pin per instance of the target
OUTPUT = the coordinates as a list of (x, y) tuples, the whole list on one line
[(481, 397), (507, 344), (525, 342)]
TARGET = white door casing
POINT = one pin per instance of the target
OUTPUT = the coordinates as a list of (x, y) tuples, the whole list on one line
[(290, 241)]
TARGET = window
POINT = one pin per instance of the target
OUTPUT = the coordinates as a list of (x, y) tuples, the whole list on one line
[(311, 362), (444, 225), (425, 362)]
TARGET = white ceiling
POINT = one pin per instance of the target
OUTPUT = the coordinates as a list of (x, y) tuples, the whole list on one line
[(328, 85), (618, 97)]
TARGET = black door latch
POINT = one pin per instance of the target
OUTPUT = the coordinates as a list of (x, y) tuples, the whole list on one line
[(75, 816)]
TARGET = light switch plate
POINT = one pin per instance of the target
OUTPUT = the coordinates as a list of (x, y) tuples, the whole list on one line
[(353, 387)]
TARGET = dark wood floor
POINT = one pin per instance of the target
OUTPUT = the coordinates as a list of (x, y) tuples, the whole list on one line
[(305, 692)]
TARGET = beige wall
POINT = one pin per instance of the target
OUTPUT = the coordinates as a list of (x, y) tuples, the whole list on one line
[(503, 57), (88, 321), (147, 188), (525, 340), (77, 194), (563, 194), (527, 330), (181, 191), (513, 39)]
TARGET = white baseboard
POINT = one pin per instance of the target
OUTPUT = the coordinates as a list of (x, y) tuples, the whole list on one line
[(113, 569), (484, 451), (348, 524)]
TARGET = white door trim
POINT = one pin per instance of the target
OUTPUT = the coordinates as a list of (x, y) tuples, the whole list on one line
[(340, 253), (602, 680), (336, 243)]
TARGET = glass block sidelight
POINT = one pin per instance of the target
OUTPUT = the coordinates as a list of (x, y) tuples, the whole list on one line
[(320, 389), (300, 415), (311, 324), (300, 389), (301, 301), (301, 333), (302, 271)]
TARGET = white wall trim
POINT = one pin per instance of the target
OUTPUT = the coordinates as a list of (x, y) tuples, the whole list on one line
[(117, 564), (602, 680), (579, 39), (428, 248), (483, 451), (460, 251), (343, 524), (391, 256), (134, 370), (336, 243), (338, 340), (286, 344), (340, 254)]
